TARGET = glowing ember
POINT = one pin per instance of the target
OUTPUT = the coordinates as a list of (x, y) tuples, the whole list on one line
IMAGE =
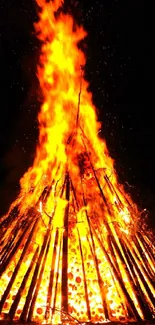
[(71, 247)]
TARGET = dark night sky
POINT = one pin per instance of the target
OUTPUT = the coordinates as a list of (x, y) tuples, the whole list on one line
[(120, 78)]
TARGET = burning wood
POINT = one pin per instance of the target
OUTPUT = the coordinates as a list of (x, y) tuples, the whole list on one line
[(72, 246)]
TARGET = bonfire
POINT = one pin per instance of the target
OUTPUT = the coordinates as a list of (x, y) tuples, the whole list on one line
[(72, 244)]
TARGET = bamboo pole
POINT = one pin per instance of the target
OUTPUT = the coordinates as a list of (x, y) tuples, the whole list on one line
[(57, 275), (64, 287), (126, 199), (136, 279), (124, 307), (35, 294), (100, 281), (141, 264), (133, 266), (115, 263), (9, 286), (14, 250), (33, 284), (84, 278), (8, 247), (9, 218), (148, 249), (113, 190), (128, 274), (13, 236), (114, 269), (93, 250), (18, 237), (51, 280), (143, 279), (144, 259), (22, 286), (95, 176)]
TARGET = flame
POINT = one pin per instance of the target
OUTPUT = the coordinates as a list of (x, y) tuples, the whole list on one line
[(70, 230)]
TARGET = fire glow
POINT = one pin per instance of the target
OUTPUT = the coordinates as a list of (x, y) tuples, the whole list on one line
[(71, 245)]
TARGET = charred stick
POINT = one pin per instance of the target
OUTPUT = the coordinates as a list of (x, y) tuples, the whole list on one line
[(125, 293), (22, 286), (9, 286), (33, 284), (136, 279), (84, 278), (51, 280), (30, 315), (8, 219), (13, 235), (64, 287), (57, 276), (126, 199), (94, 172), (116, 264), (128, 274), (147, 247), (112, 189), (138, 262), (7, 248), (15, 248), (132, 264), (143, 279), (79, 99), (100, 281), (93, 251), (144, 258)]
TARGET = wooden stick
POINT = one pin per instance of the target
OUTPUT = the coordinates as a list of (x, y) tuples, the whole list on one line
[(51, 280), (33, 284), (133, 266), (128, 274), (84, 277), (148, 249), (93, 250), (57, 276), (35, 294), (148, 312), (9, 286), (113, 190), (9, 218), (141, 264), (18, 237), (64, 287), (22, 286), (125, 293), (100, 281), (145, 284), (144, 259), (115, 262)]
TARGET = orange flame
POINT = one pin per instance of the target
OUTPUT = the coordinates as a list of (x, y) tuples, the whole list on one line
[(70, 179)]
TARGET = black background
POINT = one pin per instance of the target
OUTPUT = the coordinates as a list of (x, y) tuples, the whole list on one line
[(120, 77)]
